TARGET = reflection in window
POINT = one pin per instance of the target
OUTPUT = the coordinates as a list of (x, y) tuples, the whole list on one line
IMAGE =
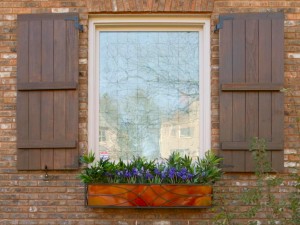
[(149, 82), (182, 152), (186, 132), (173, 131), (102, 134)]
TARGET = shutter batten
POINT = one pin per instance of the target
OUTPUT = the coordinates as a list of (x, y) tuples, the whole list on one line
[(239, 145), (47, 90), (251, 87), (38, 86), (251, 77), (46, 144)]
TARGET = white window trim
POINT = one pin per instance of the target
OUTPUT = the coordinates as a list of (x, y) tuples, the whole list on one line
[(166, 22)]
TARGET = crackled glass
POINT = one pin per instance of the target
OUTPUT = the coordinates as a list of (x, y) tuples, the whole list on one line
[(149, 94)]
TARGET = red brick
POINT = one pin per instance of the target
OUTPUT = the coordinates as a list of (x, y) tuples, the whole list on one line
[(62, 199)]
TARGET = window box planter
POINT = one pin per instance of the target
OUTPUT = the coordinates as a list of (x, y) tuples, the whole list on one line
[(148, 195), (176, 182)]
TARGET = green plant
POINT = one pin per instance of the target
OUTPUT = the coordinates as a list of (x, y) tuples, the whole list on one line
[(208, 168), (294, 197), (224, 214), (261, 198), (175, 169)]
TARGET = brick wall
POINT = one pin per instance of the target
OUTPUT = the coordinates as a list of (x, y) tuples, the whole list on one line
[(25, 198)]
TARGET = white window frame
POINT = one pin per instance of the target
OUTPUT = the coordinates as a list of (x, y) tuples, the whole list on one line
[(166, 22)]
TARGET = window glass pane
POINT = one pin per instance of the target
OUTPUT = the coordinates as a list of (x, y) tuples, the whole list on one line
[(186, 132), (149, 94)]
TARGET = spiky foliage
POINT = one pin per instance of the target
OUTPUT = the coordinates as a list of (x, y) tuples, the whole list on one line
[(175, 169)]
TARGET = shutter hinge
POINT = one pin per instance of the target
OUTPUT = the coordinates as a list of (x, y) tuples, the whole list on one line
[(221, 21), (77, 24)]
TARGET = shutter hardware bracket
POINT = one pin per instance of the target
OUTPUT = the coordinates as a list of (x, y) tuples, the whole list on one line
[(47, 177), (77, 24), (221, 21)]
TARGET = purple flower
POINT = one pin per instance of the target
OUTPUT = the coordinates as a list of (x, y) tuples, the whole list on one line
[(184, 170), (120, 173), (127, 174), (163, 175), (148, 175), (190, 176), (184, 177), (135, 172), (156, 171), (184, 174), (172, 172)]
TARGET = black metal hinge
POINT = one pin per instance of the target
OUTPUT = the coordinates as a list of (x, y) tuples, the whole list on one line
[(77, 24), (221, 21)]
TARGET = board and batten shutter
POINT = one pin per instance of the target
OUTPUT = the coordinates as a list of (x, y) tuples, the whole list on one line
[(251, 76), (47, 92)]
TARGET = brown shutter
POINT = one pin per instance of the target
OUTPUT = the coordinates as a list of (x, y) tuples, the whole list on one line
[(47, 97), (251, 76)]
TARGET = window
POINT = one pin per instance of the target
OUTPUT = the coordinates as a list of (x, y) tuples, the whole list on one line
[(186, 132), (147, 74), (102, 134), (173, 131), (182, 152)]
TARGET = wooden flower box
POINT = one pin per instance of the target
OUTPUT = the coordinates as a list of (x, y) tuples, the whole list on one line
[(148, 195)]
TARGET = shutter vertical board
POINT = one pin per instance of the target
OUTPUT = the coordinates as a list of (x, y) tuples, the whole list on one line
[(265, 66), (47, 118), (35, 66), (59, 96), (47, 102), (59, 128), (34, 129), (251, 57), (22, 99), (226, 70), (277, 98), (238, 98), (251, 77), (250, 165), (277, 160), (72, 105), (252, 98)]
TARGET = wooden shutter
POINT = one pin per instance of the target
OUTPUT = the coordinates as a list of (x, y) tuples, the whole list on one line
[(47, 96), (251, 76)]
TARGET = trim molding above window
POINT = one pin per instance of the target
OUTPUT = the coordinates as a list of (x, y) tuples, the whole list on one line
[(144, 23)]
